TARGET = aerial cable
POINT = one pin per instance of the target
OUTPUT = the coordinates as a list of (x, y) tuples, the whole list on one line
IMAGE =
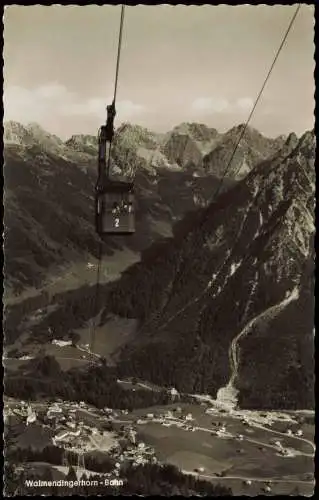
[(256, 103), (212, 199), (119, 51), (96, 297), (111, 110)]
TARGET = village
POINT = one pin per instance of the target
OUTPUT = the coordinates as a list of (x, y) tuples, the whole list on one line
[(78, 428)]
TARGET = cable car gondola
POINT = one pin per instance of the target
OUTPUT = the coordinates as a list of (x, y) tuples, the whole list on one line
[(114, 200), (115, 208)]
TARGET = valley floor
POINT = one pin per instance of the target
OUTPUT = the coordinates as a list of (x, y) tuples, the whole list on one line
[(76, 275), (251, 452)]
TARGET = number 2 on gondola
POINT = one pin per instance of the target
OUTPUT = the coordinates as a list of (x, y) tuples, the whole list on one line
[(117, 222)]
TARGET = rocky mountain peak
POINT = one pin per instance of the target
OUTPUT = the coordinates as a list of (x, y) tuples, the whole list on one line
[(15, 133), (183, 150), (250, 250), (292, 140), (197, 131), (308, 141), (84, 143), (135, 136)]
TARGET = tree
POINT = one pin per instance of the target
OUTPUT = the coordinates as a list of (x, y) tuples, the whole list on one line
[(296, 492), (74, 337), (71, 475), (10, 479), (103, 361)]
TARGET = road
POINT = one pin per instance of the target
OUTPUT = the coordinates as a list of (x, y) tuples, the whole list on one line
[(298, 438), (227, 436), (80, 360), (234, 347), (260, 443), (243, 478)]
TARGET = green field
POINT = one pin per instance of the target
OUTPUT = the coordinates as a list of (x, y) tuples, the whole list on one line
[(108, 337), (253, 458), (71, 277), (256, 488), (190, 450)]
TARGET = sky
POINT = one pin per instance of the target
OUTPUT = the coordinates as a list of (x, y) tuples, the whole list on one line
[(202, 64)]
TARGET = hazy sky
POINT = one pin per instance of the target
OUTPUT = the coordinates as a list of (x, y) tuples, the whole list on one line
[(200, 63)]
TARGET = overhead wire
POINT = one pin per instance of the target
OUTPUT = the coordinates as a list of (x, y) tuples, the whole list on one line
[(229, 163), (119, 49), (100, 247), (257, 101)]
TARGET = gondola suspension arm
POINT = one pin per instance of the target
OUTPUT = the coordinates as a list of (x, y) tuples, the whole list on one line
[(107, 131)]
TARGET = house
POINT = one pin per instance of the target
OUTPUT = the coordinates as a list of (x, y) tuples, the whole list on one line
[(200, 470), (284, 452), (54, 411), (275, 442), (267, 489), (61, 436), (31, 416), (61, 343), (174, 393), (75, 433)]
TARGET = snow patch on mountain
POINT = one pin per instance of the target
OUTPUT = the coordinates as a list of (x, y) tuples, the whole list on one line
[(234, 266)]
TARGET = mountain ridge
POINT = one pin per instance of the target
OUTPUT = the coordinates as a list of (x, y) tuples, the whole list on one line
[(55, 165), (49, 187), (266, 248), (235, 258)]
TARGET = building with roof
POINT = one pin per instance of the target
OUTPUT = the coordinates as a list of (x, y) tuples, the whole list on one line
[(31, 417)]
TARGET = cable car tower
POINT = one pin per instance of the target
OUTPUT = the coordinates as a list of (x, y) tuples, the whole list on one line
[(114, 200)]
